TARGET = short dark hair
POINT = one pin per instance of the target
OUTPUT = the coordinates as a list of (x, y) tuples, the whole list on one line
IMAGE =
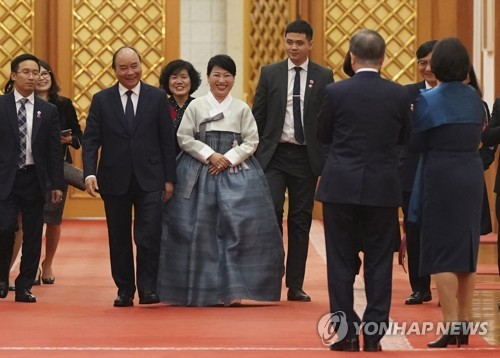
[(54, 89), (14, 64), (300, 27), (173, 68), (425, 48), (122, 48), (368, 46), (223, 61), (450, 60)]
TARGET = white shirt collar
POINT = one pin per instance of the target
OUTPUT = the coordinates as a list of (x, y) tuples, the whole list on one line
[(18, 96), (136, 89), (304, 65), (367, 69)]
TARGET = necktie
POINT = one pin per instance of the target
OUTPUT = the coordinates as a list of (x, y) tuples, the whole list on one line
[(297, 121), (129, 109), (23, 132)]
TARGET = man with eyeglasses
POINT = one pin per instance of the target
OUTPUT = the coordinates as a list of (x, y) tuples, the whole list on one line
[(30, 152), (408, 161)]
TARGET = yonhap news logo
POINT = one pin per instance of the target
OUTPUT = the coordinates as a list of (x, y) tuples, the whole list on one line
[(332, 327)]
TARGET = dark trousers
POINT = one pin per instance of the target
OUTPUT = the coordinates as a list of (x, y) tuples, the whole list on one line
[(347, 229), (289, 169), (417, 282), (26, 197), (146, 235)]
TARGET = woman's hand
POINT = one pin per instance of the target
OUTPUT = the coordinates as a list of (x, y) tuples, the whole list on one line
[(66, 139), (218, 163)]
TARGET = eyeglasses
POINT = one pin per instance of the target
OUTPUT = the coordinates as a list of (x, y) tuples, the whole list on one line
[(423, 63), (27, 73), (45, 74)]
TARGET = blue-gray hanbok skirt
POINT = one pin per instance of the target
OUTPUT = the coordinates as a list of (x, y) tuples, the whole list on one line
[(220, 241)]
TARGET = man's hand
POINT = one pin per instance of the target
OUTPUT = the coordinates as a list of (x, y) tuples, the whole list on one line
[(91, 186), (169, 191)]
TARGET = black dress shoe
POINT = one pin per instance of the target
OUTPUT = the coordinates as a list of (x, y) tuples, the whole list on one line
[(148, 298), (25, 295), (123, 301), (369, 346), (418, 297), (4, 289), (296, 294), (346, 345)]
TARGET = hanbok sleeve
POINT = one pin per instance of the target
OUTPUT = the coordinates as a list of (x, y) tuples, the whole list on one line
[(249, 137), (186, 135)]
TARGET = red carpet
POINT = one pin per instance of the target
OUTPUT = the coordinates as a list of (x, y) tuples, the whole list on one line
[(75, 316)]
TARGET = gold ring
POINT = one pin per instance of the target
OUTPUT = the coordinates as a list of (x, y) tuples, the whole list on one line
[(219, 167)]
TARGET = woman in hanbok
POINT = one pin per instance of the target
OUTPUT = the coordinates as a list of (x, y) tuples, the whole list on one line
[(221, 242)]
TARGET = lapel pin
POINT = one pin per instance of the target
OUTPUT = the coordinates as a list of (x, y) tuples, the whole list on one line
[(38, 114)]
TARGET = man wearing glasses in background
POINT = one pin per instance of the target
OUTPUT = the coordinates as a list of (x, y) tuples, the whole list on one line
[(30, 152), (408, 161)]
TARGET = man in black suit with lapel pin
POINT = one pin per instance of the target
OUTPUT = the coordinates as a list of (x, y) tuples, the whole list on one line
[(363, 118), (408, 161), (130, 123), (30, 152), (286, 105)]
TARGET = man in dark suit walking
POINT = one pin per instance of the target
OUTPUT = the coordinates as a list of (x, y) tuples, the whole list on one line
[(30, 152), (363, 118), (130, 123), (408, 161), (286, 105)]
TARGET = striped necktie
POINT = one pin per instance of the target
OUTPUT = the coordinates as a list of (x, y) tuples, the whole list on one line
[(23, 132)]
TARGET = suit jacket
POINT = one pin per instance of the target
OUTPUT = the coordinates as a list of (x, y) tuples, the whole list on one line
[(270, 106), (364, 118), (45, 145), (408, 155), (147, 150), (491, 137)]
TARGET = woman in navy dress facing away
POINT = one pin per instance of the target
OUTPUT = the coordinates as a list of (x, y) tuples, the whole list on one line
[(221, 242), (448, 188)]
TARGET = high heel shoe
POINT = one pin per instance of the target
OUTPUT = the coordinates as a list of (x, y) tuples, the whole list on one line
[(464, 333), (48, 280), (37, 277), (453, 335), (444, 340)]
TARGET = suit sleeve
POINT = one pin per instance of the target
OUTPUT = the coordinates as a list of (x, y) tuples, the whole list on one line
[(259, 107), (491, 134), (92, 140), (325, 122), (167, 141)]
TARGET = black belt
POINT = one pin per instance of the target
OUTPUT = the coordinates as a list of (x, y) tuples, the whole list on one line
[(26, 168), (292, 145)]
